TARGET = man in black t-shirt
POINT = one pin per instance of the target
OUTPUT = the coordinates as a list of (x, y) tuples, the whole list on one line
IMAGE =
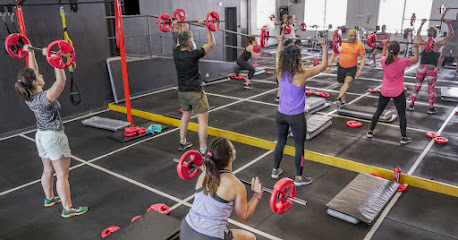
[(190, 90)]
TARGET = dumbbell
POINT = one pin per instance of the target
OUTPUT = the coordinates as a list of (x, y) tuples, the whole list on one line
[(16, 42)]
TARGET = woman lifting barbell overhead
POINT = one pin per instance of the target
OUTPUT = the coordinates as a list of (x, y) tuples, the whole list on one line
[(51, 141), (218, 193), (428, 65), (452, 45), (292, 77), (348, 62)]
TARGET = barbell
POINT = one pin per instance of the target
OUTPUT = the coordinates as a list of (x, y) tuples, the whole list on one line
[(442, 8), (165, 21), (14, 45), (413, 18), (284, 190)]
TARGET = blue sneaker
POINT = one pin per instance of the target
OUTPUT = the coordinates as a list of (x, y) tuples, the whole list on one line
[(74, 211), (49, 203)]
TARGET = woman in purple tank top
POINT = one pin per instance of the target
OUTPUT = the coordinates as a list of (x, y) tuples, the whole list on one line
[(292, 76)]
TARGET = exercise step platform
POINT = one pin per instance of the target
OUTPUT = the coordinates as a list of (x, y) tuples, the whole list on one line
[(366, 113), (449, 94)]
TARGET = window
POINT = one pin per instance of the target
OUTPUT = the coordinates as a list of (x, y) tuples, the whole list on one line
[(336, 13), (314, 13), (390, 13), (422, 9), (323, 13), (265, 8)]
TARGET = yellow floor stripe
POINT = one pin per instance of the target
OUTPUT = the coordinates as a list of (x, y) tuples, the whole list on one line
[(309, 155)]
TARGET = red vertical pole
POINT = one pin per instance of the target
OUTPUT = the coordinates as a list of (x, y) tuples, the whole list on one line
[(20, 21), (120, 43)]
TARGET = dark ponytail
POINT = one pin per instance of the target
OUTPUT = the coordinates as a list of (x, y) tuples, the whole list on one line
[(218, 157), (249, 40), (24, 84), (393, 50)]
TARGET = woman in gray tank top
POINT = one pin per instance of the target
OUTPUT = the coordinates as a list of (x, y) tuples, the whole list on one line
[(218, 193), (51, 141)]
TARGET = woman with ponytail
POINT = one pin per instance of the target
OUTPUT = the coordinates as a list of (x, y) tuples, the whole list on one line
[(428, 65), (218, 192), (242, 60), (393, 86), (51, 141)]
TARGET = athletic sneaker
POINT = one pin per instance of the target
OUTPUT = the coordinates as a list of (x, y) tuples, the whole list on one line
[(184, 146), (276, 173), (74, 211), (303, 181), (249, 86), (277, 99), (432, 110), (411, 107), (405, 140), (49, 203), (370, 134), (339, 102)]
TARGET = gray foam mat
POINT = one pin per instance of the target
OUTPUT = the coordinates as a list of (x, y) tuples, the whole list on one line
[(354, 111), (449, 94), (364, 198), (317, 124)]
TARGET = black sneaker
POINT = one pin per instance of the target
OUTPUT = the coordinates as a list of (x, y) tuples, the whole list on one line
[(185, 146), (302, 181), (370, 134), (405, 140), (411, 107), (432, 110), (249, 86)]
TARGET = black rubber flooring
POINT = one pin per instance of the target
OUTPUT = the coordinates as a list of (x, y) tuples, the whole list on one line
[(121, 180)]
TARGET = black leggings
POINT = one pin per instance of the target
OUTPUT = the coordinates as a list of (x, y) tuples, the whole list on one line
[(244, 65), (400, 103), (299, 126)]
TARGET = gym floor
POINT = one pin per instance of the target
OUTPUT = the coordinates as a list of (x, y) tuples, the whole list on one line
[(121, 180)]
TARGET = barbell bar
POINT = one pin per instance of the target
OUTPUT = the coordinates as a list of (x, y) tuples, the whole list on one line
[(442, 8)]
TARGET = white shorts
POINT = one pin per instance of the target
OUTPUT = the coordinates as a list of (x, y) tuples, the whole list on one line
[(52, 144)]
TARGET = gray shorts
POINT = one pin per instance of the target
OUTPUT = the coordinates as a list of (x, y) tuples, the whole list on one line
[(52, 144), (450, 46)]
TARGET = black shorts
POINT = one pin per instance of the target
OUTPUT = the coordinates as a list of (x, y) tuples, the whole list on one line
[(379, 48), (342, 73)]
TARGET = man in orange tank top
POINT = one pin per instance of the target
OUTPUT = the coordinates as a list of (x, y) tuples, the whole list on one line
[(348, 63)]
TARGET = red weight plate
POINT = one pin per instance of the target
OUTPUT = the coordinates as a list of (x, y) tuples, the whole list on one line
[(272, 17), (263, 66), (135, 218), (109, 230), (57, 60), (232, 76), (371, 90), (441, 140), (335, 42), (256, 48), (318, 93), (159, 207), (184, 169), (181, 110), (270, 72), (442, 9), (287, 29), (179, 14), (303, 26), (241, 78), (371, 40), (281, 189), (213, 17), (14, 44), (412, 19), (432, 135), (354, 124), (141, 130), (401, 188), (165, 26), (324, 94), (316, 61)]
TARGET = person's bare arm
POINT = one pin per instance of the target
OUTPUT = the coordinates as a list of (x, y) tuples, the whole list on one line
[(243, 209), (310, 72), (210, 38), (419, 38), (443, 14), (32, 59), (416, 56), (277, 57), (361, 66), (333, 56), (56, 89), (449, 36), (253, 53), (385, 46)]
